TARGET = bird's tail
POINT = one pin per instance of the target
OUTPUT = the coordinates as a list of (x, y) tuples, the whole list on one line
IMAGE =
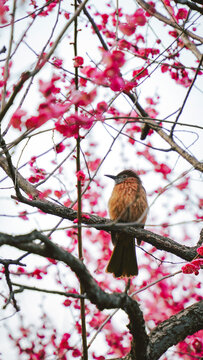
[(123, 261)]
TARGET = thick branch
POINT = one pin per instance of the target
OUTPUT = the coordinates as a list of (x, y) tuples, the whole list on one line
[(170, 332), (175, 147), (166, 20), (25, 185)]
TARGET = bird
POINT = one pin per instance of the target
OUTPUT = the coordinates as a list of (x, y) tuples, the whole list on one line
[(127, 204)]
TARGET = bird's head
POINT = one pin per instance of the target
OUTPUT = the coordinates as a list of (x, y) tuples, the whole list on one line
[(124, 175)]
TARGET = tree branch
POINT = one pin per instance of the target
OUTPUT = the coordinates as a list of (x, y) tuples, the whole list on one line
[(23, 287), (160, 242), (186, 97), (25, 185), (175, 329)]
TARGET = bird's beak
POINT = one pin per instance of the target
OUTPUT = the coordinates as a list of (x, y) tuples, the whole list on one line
[(111, 176)]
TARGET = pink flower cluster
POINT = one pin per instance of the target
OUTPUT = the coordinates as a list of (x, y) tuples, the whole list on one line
[(114, 61), (49, 109), (132, 21), (71, 125), (195, 265)]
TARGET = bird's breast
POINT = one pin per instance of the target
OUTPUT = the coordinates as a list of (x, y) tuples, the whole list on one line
[(128, 202)]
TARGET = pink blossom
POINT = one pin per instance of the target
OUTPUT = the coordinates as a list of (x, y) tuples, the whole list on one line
[(81, 98), (123, 44), (117, 84), (67, 15), (173, 33), (188, 268), (76, 353), (163, 168), (116, 59), (181, 14), (36, 121), (164, 68), (127, 29), (23, 215), (85, 216), (3, 10), (197, 345), (78, 61), (72, 125), (57, 62), (104, 18), (139, 37), (200, 250), (44, 194), (139, 17), (64, 342), (179, 207), (60, 148), (16, 120), (80, 175), (197, 263), (59, 194), (48, 87), (67, 302), (184, 184), (102, 107), (151, 8), (138, 74)]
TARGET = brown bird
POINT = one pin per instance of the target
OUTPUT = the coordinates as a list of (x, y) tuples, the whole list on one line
[(128, 203)]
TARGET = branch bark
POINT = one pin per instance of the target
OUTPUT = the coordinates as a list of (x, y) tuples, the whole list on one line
[(175, 329)]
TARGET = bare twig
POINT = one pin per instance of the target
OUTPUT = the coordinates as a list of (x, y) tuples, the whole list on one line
[(186, 97), (54, 292), (6, 263)]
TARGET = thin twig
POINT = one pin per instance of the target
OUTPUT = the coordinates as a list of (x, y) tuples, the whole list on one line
[(54, 292), (186, 97), (11, 292)]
